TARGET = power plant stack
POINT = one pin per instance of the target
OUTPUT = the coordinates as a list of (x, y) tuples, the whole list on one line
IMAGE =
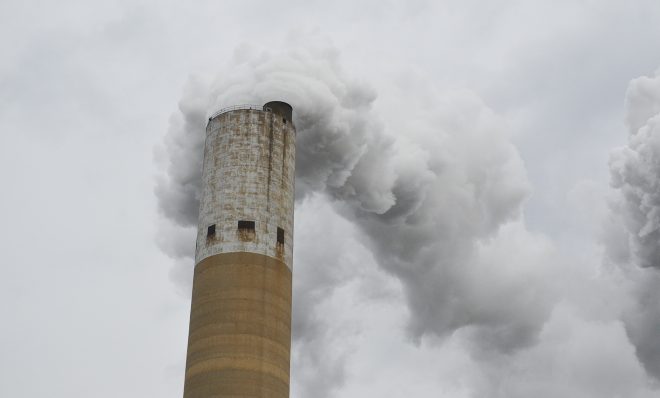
[(240, 320)]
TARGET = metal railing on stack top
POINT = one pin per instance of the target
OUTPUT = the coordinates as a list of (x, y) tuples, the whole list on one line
[(235, 107)]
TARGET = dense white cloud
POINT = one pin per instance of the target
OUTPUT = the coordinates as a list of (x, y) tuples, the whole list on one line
[(434, 191), (636, 168), (635, 172), (424, 205)]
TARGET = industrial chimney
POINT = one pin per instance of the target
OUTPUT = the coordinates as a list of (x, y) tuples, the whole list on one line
[(240, 320)]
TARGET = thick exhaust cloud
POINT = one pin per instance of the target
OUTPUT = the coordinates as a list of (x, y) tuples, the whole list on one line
[(635, 170), (426, 198), (433, 188)]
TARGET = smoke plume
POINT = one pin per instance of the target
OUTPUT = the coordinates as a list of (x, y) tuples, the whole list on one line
[(635, 170), (435, 190)]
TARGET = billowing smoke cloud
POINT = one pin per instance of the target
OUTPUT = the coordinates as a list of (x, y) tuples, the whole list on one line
[(321, 346), (424, 205), (635, 170), (431, 188), (451, 198), (178, 192), (643, 321)]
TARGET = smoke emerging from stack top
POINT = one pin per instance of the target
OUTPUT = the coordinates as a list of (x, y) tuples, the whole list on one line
[(425, 198), (434, 185)]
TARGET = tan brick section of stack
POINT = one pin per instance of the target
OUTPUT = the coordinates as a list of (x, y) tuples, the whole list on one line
[(239, 342)]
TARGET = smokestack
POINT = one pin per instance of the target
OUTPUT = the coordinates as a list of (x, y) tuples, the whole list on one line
[(240, 320)]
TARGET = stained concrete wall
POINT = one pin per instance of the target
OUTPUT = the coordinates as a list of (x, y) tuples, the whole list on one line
[(240, 321), (248, 174)]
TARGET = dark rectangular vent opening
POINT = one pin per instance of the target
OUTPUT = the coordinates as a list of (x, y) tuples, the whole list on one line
[(280, 236), (284, 121), (210, 232), (248, 225)]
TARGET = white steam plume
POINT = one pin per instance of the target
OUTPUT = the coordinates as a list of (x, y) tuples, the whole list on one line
[(430, 187), (635, 170)]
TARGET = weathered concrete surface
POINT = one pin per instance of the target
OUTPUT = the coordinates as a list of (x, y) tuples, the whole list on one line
[(240, 320), (240, 328), (248, 174)]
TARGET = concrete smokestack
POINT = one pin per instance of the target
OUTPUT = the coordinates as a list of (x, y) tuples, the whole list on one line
[(240, 320)]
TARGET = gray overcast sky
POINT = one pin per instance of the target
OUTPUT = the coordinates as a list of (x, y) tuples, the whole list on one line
[(472, 243)]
